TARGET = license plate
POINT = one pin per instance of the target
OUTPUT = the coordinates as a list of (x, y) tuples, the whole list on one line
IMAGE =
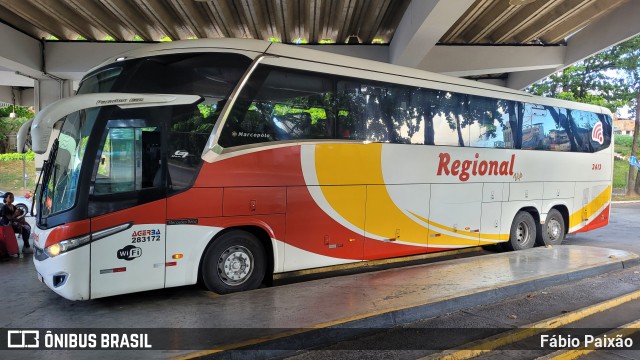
[(40, 278)]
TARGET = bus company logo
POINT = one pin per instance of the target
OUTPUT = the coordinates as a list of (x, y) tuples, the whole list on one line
[(23, 339), (180, 154), (596, 133), (129, 252), (464, 169)]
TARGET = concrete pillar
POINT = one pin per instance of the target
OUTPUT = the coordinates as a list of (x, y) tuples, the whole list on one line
[(47, 91)]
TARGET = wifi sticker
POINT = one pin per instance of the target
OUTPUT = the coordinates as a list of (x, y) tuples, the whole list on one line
[(596, 133)]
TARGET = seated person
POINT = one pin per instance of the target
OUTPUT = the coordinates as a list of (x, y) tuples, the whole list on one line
[(13, 216)]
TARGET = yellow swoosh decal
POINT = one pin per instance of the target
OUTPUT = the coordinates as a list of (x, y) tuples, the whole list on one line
[(357, 164), (591, 208)]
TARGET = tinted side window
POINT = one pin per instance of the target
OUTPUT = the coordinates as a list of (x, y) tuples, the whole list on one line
[(592, 131), (451, 118), (545, 128), (281, 104), (382, 112), (491, 122), (189, 130)]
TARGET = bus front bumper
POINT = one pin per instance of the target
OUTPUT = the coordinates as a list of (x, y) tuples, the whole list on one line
[(67, 274)]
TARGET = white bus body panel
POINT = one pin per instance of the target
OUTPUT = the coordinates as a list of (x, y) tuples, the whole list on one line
[(75, 264), (143, 261), (190, 241)]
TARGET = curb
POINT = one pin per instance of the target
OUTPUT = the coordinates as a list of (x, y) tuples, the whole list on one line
[(310, 338)]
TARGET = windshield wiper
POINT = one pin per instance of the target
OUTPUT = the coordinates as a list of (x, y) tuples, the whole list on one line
[(46, 176)]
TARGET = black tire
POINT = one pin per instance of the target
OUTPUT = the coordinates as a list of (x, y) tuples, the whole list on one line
[(553, 230), (234, 262), (523, 232), (24, 208)]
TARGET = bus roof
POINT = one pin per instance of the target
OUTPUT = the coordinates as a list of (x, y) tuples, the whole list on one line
[(322, 57)]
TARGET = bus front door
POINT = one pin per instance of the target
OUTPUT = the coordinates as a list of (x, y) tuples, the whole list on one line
[(127, 206)]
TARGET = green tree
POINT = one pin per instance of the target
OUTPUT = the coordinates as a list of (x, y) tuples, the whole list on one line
[(610, 78), (9, 125)]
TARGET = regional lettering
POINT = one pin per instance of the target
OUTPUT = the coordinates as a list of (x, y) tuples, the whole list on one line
[(463, 169), (124, 341)]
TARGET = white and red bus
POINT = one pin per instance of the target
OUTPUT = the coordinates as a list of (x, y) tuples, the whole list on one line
[(227, 161)]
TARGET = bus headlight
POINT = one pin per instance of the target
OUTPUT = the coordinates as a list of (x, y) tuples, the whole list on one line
[(66, 245)]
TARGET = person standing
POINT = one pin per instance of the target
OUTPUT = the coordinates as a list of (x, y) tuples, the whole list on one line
[(14, 217)]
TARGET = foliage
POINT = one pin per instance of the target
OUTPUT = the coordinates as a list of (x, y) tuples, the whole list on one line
[(610, 78), (11, 125), (620, 171), (11, 176), (29, 156), (623, 144), (21, 112)]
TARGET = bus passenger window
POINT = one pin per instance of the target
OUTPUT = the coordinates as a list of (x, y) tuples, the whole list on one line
[(189, 131), (490, 123), (451, 118), (543, 128), (590, 130), (279, 105)]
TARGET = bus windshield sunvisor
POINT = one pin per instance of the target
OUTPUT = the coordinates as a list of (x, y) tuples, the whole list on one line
[(44, 121)]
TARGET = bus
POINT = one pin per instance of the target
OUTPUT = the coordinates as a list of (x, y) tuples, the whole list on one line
[(226, 161)]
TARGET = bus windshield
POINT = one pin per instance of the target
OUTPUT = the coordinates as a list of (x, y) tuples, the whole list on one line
[(62, 171)]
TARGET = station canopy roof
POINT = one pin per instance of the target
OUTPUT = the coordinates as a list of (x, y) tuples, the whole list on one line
[(490, 22)]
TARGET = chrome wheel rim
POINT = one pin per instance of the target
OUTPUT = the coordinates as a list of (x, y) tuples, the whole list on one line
[(554, 230), (235, 265), (523, 233)]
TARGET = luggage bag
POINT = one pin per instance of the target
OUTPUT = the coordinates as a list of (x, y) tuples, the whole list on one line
[(8, 241)]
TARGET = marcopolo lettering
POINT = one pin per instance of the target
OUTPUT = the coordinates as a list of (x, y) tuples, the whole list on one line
[(464, 169)]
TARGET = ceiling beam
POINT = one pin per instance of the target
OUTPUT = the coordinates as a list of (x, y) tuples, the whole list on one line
[(615, 27), (422, 25), (10, 78), (483, 60), (19, 52)]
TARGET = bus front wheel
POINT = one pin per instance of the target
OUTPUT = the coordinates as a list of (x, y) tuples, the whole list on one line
[(552, 230), (523, 232), (234, 262)]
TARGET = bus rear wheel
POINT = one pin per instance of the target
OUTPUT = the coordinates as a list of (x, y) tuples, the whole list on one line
[(234, 262), (523, 232), (553, 229)]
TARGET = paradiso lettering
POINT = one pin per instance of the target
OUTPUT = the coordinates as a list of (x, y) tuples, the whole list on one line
[(463, 169)]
